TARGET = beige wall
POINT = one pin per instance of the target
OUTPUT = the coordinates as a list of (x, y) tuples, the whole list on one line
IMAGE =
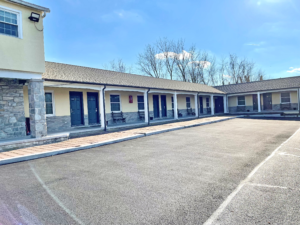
[(232, 101), (61, 100), (25, 54), (276, 97), (181, 101)]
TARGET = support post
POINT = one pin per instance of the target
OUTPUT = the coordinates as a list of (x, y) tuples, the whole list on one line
[(146, 106), (175, 106), (258, 102), (225, 104), (212, 105), (298, 99), (196, 105), (102, 106), (37, 111)]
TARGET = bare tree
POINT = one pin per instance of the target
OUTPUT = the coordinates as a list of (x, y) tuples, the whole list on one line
[(119, 66), (182, 59), (167, 49), (149, 63)]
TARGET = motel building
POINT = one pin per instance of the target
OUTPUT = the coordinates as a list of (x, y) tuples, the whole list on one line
[(41, 102)]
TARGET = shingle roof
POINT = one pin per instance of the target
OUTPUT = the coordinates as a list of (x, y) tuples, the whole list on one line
[(274, 84), (30, 5), (65, 72)]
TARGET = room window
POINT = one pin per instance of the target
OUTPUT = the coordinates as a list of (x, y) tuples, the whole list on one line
[(172, 102), (115, 104), (188, 102), (285, 97), (241, 101), (207, 102), (9, 22), (49, 103), (140, 100)]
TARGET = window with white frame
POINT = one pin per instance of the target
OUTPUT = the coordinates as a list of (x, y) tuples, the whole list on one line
[(140, 100), (49, 103), (9, 22), (172, 102), (188, 102), (285, 97), (207, 102), (241, 101), (115, 103)]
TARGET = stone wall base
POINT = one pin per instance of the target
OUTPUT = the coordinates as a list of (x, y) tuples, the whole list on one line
[(12, 115)]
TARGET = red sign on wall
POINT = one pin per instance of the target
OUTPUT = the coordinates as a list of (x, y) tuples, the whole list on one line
[(130, 99)]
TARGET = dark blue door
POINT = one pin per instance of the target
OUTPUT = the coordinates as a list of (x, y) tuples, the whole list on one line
[(163, 99), (76, 108), (93, 109), (156, 106), (201, 105)]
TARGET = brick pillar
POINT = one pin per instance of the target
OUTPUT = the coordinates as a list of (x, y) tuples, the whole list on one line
[(37, 111)]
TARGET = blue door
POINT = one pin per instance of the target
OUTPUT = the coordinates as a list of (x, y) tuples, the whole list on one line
[(163, 99), (201, 105), (93, 109), (76, 104), (156, 106)]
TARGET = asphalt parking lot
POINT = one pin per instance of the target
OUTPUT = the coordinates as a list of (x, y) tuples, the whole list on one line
[(179, 177)]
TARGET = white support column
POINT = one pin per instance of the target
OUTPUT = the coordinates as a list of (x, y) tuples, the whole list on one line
[(298, 95), (102, 117), (175, 106), (225, 104), (146, 106), (196, 105), (212, 105), (258, 102)]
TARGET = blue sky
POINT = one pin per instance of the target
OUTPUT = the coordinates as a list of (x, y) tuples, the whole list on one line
[(92, 32)]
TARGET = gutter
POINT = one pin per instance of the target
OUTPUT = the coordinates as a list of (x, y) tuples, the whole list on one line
[(29, 5), (115, 85), (148, 106), (103, 95)]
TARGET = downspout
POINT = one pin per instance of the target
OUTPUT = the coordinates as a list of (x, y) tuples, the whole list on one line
[(148, 106), (103, 95), (298, 101), (198, 105)]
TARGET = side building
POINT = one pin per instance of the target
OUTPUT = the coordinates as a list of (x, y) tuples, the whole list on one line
[(268, 96)]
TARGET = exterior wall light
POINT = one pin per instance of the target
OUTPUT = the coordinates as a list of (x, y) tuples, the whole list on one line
[(35, 17)]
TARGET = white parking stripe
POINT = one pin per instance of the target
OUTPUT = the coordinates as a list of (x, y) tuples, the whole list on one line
[(54, 197), (222, 207), (268, 186), (284, 153)]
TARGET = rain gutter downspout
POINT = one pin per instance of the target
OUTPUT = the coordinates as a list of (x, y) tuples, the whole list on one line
[(148, 106), (103, 96)]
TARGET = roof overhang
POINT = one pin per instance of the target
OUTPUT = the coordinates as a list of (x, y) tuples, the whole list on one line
[(29, 5)]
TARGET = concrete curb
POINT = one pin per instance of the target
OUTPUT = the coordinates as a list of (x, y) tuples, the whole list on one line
[(113, 141), (66, 150)]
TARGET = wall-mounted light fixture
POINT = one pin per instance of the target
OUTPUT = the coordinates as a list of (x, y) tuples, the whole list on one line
[(35, 17)]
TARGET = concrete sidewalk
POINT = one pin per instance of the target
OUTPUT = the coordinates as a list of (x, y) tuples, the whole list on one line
[(99, 140)]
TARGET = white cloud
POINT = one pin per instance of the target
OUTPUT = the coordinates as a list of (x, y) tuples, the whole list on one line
[(124, 15), (204, 64), (256, 44), (294, 70), (182, 55), (226, 76)]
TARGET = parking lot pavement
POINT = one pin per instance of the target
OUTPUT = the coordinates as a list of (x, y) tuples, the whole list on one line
[(272, 194), (179, 177)]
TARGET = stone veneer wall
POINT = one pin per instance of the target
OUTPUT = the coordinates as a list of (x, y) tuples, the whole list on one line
[(12, 115)]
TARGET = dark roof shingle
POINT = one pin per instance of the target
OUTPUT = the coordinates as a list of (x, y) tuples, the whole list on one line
[(274, 84), (65, 72)]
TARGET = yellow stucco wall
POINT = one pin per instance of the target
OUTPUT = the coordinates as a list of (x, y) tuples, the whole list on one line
[(25, 54), (232, 101), (276, 97), (181, 101), (61, 100)]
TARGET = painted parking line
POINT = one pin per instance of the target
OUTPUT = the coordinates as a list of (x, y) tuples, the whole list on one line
[(223, 206)]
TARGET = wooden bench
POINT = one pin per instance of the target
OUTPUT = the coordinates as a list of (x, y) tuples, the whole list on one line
[(118, 116), (285, 106), (190, 112), (241, 109), (141, 115), (178, 113)]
